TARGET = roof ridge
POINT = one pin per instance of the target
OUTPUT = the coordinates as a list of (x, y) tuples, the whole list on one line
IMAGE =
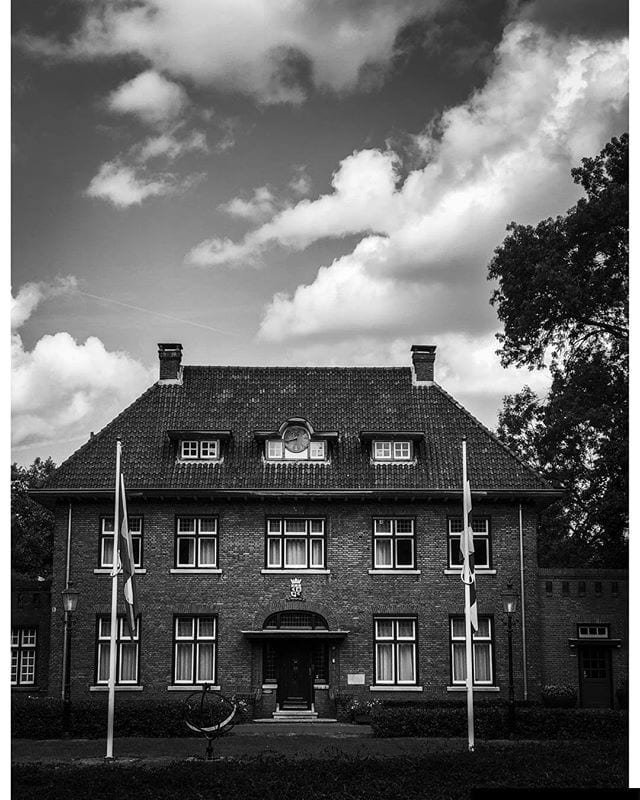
[(490, 433)]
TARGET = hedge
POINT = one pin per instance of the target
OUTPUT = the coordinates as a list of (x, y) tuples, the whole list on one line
[(491, 722)]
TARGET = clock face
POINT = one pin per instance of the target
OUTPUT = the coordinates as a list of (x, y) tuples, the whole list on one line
[(296, 439)]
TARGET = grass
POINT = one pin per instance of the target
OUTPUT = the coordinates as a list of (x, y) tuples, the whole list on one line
[(439, 776)]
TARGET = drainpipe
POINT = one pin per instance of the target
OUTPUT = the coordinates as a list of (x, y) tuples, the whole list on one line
[(524, 627), (65, 637)]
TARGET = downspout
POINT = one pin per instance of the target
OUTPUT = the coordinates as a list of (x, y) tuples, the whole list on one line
[(524, 627), (67, 574)]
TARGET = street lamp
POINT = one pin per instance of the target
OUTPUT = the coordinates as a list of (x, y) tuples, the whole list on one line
[(509, 605), (69, 604)]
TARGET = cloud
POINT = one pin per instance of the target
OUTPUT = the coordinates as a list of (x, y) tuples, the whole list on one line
[(30, 295), (63, 387), (273, 50), (260, 206), (505, 153), (168, 146), (150, 97), (124, 186)]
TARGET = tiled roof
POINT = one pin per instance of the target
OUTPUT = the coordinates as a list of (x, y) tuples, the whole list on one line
[(246, 399)]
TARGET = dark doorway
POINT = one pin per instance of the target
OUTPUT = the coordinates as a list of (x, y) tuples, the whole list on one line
[(595, 677), (295, 677)]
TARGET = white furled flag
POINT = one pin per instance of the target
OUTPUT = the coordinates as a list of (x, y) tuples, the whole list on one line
[(127, 562), (466, 547)]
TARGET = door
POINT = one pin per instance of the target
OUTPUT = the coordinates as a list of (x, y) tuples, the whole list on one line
[(294, 679), (595, 677)]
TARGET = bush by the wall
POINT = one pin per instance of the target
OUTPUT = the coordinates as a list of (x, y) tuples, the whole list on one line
[(622, 695), (559, 696)]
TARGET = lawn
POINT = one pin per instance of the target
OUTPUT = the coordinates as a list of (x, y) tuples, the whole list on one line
[(439, 776)]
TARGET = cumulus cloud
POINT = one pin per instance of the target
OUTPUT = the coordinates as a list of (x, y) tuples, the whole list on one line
[(168, 146), (31, 294), (63, 388), (124, 186), (506, 153), (260, 206), (150, 97), (273, 50)]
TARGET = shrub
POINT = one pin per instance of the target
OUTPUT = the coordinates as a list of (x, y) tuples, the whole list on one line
[(559, 697), (622, 695)]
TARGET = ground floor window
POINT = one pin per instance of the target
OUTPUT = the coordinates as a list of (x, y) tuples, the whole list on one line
[(23, 656), (127, 652), (395, 650), (194, 648), (482, 652)]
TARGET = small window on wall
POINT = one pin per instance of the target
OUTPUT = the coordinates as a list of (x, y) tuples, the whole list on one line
[(200, 450), (548, 586), (614, 589), (392, 451), (481, 542), (106, 541), (593, 631), (565, 588), (582, 588), (482, 662), (314, 451), (597, 586)]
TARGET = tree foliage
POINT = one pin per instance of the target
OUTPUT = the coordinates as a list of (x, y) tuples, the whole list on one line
[(31, 523), (562, 297)]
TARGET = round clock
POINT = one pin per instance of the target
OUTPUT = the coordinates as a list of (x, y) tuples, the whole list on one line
[(296, 439)]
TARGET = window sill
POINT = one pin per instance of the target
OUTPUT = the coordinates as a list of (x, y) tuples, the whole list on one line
[(320, 685), (124, 688), (191, 687), (295, 571), (475, 688), (199, 460), (25, 687), (107, 571), (282, 461), (394, 571), (195, 571), (395, 688), (408, 462), (478, 571)]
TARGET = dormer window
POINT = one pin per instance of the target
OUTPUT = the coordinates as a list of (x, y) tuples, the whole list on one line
[(303, 449), (200, 450), (392, 451)]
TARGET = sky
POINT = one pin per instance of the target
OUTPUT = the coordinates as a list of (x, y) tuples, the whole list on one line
[(284, 182)]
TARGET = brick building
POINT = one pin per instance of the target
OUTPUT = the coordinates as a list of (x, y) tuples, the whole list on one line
[(296, 536), (30, 624)]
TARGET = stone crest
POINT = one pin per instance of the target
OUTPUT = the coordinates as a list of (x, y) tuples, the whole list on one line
[(295, 592)]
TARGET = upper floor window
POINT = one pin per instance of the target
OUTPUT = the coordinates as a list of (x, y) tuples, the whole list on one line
[(200, 449), (295, 544), (481, 548), (392, 451), (106, 541), (23, 656), (127, 652), (482, 657), (393, 543), (196, 542), (276, 450)]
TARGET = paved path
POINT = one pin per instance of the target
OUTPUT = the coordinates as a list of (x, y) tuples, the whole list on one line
[(297, 740)]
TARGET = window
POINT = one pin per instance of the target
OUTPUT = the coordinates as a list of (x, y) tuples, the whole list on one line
[(200, 450), (395, 651), (106, 541), (482, 554), (393, 544), (23, 656), (196, 542), (295, 544), (276, 451), (614, 588), (548, 586), (565, 588), (392, 451), (593, 631), (582, 588), (597, 586), (482, 662), (128, 652), (194, 647)]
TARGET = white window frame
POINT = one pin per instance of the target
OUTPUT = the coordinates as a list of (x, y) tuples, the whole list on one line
[(593, 630), (197, 535), (136, 526), (393, 535), (457, 641), (195, 638), (392, 450), (275, 450), (396, 640), (278, 534), (481, 532), (199, 449), (122, 638), (24, 643)]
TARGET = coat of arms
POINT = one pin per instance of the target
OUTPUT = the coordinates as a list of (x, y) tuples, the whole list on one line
[(295, 593)]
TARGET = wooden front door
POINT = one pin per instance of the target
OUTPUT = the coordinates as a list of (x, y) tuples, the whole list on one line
[(294, 676), (595, 677)]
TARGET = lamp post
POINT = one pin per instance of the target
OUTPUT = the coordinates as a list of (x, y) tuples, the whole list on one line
[(509, 605), (69, 603)]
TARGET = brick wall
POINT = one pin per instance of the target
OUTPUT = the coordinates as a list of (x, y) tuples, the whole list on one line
[(348, 597), (31, 608)]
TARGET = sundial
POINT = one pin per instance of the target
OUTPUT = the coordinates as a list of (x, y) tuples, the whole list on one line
[(210, 714)]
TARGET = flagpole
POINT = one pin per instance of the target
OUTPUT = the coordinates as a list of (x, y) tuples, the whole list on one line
[(114, 611), (467, 615)]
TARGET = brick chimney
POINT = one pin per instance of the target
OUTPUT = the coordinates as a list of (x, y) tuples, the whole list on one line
[(423, 357), (170, 356)]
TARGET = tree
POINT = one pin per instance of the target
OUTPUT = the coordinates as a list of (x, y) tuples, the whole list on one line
[(31, 523), (562, 297)]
